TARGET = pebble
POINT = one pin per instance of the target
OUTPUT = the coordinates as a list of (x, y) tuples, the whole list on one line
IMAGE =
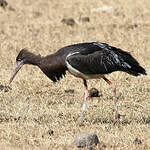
[(137, 141), (94, 92), (68, 21), (86, 140), (49, 133), (3, 3), (71, 91), (85, 19), (5, 88)]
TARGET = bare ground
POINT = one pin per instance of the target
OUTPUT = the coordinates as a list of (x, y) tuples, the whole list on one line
[(37, 114)]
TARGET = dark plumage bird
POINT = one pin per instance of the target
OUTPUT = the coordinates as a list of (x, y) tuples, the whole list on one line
[(83, 60)]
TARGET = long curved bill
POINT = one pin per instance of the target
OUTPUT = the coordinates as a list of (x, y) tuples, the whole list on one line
[(19, 64)]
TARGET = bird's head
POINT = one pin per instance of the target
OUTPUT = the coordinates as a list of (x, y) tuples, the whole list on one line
[(24, 57)]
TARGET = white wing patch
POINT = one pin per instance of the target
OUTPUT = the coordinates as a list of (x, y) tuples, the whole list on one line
[(70, 54), (101, 45), (121, 61), (125, 65), (116, 58)]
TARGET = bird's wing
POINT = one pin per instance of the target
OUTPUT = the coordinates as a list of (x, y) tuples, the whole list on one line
[(54, 74), (99, 59)]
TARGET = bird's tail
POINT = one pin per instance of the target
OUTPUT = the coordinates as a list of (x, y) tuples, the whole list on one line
[(137, 70)]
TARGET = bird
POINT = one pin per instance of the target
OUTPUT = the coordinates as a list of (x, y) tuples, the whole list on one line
[(88, 60)]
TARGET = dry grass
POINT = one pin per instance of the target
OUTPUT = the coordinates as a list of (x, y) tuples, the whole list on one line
[(34, 105)]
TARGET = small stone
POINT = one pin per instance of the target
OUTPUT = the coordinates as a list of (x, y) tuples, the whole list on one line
[(5, 88), (71, 91), (68, 21), (2, 87), (11, 8), (104, 8), (132, 26), (93, 92), (48, 134), (86, 140), (137, 141), (85, 19), (37, 14), (3, 3)]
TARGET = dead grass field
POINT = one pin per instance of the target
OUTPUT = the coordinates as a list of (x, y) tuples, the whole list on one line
[(34, 105)]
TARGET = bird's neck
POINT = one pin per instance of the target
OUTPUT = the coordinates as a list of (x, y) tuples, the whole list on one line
[(34, 59), (50, 60)]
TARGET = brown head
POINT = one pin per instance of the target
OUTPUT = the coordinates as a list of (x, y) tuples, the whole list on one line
[(24, 57)]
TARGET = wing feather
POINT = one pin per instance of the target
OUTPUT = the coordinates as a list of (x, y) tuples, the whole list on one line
[(104, 59)]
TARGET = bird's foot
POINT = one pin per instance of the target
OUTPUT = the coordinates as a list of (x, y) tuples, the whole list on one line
[(117, 118), (80, 121)]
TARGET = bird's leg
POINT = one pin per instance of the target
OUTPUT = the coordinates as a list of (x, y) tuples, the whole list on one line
[(85, 101), (117, 115)]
